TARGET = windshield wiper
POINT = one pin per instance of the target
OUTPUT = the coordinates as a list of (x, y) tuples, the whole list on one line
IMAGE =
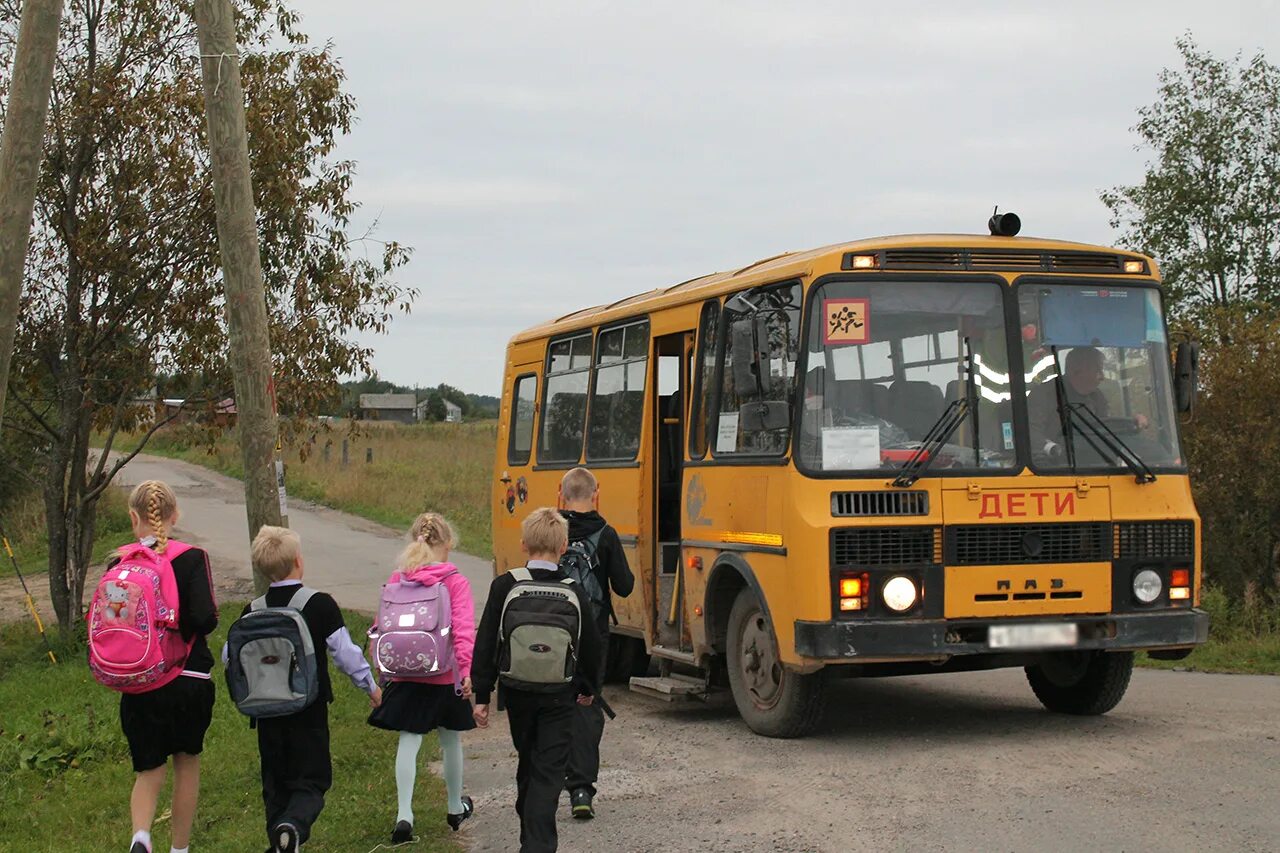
[(942, 430), (1083, 417)]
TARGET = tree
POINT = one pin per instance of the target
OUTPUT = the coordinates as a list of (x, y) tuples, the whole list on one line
[(1208, 207), (122, 280)]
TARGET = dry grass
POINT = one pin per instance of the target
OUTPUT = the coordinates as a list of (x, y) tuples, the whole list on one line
[(442, 467)]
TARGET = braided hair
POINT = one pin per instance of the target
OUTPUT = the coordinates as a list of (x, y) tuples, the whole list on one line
[(431, 537), (154, 501)]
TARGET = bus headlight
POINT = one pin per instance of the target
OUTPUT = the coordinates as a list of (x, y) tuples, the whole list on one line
[(1147, 586), (900, 594)]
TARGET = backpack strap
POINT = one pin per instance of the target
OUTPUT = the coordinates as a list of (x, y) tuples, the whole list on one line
[(567, 581), (300, 598), (259, 603), (521, 574)]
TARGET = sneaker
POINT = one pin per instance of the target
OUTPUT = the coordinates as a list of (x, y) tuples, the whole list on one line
[(402, 833), (580, 799), (286, 838), (138, 847), (455, 820)]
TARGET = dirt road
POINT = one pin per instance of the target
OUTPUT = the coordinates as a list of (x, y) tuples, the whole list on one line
[(965, 762)]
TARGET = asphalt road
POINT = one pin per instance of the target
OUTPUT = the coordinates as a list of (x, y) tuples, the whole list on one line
[(958, 762)]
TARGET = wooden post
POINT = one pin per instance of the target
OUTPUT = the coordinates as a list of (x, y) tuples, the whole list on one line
[(368, 455), (250, 343), (20, 155)]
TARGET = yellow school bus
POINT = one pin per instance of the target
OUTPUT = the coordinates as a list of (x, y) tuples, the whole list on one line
[(901, 455)]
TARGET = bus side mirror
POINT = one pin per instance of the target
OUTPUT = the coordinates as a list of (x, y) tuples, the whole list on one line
[(750, 337), (1186, 375)]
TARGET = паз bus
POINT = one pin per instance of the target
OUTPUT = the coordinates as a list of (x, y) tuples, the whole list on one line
[(902, 455)]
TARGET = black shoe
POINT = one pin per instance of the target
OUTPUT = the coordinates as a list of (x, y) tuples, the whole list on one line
[(402, 833), (455, 820), (285, 837), (138, 847), (580, 799)]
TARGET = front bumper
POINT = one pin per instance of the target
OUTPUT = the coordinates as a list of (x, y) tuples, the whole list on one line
[(927, 638)]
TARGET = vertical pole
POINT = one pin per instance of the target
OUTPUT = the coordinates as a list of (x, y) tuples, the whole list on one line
[(345, 456), (250, 342), (20, 155)]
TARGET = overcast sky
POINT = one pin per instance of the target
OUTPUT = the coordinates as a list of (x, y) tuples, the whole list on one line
[(544, 157)]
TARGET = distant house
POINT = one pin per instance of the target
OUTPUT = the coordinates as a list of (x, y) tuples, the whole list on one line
[(400, 408), (452, 413), (223, 412), (421, 410)]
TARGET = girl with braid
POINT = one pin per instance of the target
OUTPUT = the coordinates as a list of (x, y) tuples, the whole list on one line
[(169, 722), (416, 706)]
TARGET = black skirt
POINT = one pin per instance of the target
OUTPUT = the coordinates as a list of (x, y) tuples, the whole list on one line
[(411, 706), (166, 721)]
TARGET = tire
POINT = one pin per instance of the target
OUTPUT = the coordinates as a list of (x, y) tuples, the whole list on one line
[(1082, 683), (772, 700)]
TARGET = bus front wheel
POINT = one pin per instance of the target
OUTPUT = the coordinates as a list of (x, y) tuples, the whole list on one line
[(773, 701), (1081, 683)]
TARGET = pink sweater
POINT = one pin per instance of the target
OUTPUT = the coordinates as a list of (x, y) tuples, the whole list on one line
[(462, 609)]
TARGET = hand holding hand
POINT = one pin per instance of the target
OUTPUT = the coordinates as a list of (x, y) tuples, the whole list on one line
[(466, 688), (375, 698), (481, 715), (586, 699)]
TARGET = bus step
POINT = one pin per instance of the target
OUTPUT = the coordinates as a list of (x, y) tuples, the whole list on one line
[(671, 687)]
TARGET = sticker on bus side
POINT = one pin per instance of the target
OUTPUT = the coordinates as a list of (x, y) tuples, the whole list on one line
[(847, 321)]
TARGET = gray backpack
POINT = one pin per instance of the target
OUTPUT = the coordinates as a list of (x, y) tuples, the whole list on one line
[(271, 661), (541, 623)]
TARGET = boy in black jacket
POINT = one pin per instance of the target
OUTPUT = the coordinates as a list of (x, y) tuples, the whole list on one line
[(541, 723), (579, 498)]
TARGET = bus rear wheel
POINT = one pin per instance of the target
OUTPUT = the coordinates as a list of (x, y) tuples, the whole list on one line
[(773, 701), (1081, 683)]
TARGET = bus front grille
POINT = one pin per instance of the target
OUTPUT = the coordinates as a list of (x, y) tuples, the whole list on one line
[(862, 504), (1155, 540), (856, 547), (1018, 544)]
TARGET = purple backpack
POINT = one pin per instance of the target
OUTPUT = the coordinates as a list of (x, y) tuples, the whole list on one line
[(414, 631)]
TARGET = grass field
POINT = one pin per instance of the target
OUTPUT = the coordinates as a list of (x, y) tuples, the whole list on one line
[(65, 775), (24, 524), (443, 467)]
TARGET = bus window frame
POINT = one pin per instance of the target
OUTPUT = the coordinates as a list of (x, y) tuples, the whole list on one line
[(515, 411), (1020, 399), (783, 456), (696, 398), (616, 461), (545, 464), (1009, 307)]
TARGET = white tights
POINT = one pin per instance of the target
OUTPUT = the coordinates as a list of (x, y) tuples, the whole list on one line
[(407, 771)]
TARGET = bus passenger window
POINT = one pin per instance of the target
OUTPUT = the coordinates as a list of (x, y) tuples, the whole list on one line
[(522, 406), (760, 349), (617, 399), (708, 327), (565, 409)]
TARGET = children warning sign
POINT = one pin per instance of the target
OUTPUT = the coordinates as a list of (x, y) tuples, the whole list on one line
[(847, 322)]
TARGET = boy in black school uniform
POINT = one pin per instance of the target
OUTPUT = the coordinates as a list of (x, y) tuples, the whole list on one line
[(579, 498), (294, 749), (541, 722)]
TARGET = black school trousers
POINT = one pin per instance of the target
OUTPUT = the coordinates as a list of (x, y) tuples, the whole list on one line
[(588, 727), (296, 770), (541, 730)]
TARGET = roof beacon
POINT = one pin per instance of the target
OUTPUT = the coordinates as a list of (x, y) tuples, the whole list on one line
[(1004, 224)]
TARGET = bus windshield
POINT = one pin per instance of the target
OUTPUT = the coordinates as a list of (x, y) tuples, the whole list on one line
[(1101, 351), (887, 358)]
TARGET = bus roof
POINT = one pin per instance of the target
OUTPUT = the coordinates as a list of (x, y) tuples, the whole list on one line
[(829, 258)]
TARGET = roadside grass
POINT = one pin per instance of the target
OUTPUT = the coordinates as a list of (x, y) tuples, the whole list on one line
[(443, 467), (1244, 637), (24, 523), (65, 775)]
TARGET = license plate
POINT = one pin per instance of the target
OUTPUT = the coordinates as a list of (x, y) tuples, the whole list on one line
[(1033, 636)]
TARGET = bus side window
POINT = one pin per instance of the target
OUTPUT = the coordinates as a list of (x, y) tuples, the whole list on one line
[(522, 405), (564, 411), (708, 326)]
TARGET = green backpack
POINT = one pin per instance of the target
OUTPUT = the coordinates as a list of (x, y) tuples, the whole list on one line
[(541, 623)]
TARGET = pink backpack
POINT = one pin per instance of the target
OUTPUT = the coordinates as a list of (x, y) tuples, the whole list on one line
[(134, 642), (414, 636)]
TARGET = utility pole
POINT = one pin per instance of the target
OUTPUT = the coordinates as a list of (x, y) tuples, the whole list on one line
[(20, 156), (241, 264)]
